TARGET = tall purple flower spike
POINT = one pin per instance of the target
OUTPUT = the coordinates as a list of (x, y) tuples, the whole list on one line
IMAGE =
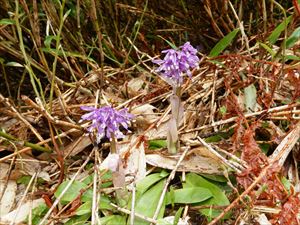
[(176, 63), (106, 121)]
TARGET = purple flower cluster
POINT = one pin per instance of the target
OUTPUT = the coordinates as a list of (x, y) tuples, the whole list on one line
[(177, 62), (106, 121)]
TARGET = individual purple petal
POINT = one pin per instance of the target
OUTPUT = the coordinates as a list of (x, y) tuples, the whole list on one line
[(106, 121)]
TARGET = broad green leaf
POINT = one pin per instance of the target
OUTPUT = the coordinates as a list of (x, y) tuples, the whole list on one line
[(26, 179), (217, 178), (113, 220), (190, 195), (223, 43), (88, 179), (106, 179), (148, 181), (163, 221), (214, 138), (156, 144), (265, 147), (163, 173), (147, 202), (171, 196), (6, 21), (71, 193), (38, 213), (220, 136), (278, 30), (250, 98), (211, 214), (104, 200), (218, 196), (78, 220), (177, 215), (291, 41), (84, 208)]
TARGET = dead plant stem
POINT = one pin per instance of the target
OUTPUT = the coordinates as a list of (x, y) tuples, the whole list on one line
[(170, 178)]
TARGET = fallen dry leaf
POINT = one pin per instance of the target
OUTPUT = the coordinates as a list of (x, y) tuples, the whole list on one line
[(29, 167), (8, 197), (77, 145), (144, 116), (134, 87), (18, 216), (136, 161), (193, 163), (3, 170)]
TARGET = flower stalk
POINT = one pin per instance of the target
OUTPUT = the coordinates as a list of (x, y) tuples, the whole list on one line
[(172, 68), (113, 144)]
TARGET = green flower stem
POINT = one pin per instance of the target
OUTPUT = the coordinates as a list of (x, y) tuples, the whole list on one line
[(25, 143)]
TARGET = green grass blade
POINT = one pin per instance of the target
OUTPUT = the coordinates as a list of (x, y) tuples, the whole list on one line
[(278, 30), (291, 41), (223, 43)]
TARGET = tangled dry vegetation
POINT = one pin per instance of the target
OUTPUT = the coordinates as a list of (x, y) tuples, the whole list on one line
[(238, 162)]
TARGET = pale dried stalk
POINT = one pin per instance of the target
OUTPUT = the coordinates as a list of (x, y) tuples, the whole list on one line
[(241, 163), (212, 106), (287, 144), (132, 204), (19, 115), (247, 115), (95, 219), (241, 27), (40, 143), (135, 214), (42, 110), (220, 157), (170, 178), (54, 120), (294, 111)]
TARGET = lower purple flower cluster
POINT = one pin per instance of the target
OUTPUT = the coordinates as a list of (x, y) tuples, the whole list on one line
[(106, 121), (177, 62)]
